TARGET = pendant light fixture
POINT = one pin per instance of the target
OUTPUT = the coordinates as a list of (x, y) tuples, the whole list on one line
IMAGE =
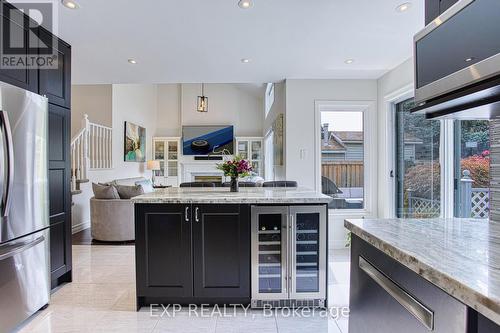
[(202, 102)]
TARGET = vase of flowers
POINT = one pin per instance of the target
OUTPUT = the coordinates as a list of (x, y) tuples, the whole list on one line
[(235, 168)]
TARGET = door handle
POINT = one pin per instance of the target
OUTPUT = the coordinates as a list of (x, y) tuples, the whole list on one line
[(6, 198), (12, 250), (196, 214), (412, 305), (186, 214)]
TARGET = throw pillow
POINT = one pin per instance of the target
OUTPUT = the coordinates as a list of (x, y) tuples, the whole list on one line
[(105, 191), (146, 185), (127, 192)]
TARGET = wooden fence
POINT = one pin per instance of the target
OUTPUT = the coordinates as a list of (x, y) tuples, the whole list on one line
[(344, 173)]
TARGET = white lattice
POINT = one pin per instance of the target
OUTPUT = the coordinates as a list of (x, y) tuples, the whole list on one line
[(425, 207), (480, 199)]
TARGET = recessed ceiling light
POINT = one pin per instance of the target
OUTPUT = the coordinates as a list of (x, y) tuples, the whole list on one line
[(245, 60), (245, 4), (349, 61), (132, 61), (70, 4), (469, 59), (403, 7)]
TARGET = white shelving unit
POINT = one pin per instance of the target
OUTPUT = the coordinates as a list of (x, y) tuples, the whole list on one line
[(252, 149), (167, 151)]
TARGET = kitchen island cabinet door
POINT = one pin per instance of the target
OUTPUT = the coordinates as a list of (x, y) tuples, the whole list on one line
[(163, 250), (221, 243)]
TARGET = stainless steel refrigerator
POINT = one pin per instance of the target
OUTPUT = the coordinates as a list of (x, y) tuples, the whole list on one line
[(24, 237)]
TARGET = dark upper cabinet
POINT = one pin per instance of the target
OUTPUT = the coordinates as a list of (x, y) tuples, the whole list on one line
[(221, 243), (431, 10), (163, 250), (434, 8), (56, 83), (12, 28)]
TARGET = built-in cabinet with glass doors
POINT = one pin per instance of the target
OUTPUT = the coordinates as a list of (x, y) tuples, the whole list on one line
[(251, 148), (288, 255), (166, 150)]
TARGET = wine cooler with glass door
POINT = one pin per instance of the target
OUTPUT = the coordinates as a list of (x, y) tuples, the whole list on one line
[(289, 254)]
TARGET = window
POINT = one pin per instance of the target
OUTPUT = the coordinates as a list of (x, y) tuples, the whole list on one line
[(269, 100), (342, 158), (472, 168), (418, 170)]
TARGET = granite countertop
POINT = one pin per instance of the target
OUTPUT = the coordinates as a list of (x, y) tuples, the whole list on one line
[(460, 256), (257, 195)]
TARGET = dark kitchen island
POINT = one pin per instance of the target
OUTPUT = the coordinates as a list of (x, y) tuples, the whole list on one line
[(212, 246)]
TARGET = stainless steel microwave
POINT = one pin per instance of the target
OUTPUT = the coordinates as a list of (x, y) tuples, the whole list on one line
[(459, 49)]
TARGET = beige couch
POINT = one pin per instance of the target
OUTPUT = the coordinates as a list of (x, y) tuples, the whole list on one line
[(112, 220)]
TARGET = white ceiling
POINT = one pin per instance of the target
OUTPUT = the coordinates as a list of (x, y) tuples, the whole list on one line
[(204, 40)]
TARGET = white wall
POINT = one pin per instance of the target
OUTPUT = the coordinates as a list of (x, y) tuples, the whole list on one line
[(134, 103), (228, 104), (93, 100), (168, 116), (393, 87)]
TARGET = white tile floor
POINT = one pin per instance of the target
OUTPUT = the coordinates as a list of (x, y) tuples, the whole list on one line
[(101, 298)]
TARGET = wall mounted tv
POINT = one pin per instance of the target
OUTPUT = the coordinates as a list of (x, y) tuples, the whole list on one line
[(207, 140)]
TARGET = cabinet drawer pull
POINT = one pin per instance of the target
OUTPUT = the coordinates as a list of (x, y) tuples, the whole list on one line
[(196, 214), (186, 214), (417, 309)]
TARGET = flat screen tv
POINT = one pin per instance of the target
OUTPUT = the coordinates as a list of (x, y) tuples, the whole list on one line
[(207, 140)]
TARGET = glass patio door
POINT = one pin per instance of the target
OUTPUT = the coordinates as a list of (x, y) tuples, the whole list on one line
[(418, 168), (472, 168)]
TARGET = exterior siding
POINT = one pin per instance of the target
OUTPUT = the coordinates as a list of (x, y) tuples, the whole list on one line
[(328, 157), (354, 152)]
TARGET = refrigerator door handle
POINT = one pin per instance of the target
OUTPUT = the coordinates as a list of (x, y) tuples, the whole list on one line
[(18, 248), (10, 162)]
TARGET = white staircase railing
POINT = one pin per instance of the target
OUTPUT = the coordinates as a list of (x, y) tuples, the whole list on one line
[(91, 149)]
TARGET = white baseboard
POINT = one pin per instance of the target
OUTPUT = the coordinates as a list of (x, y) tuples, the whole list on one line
[(79, 227)]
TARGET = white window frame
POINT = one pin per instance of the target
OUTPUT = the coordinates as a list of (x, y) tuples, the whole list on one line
[(268, 156), (368, 108), (269, 98), (387, 184)]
